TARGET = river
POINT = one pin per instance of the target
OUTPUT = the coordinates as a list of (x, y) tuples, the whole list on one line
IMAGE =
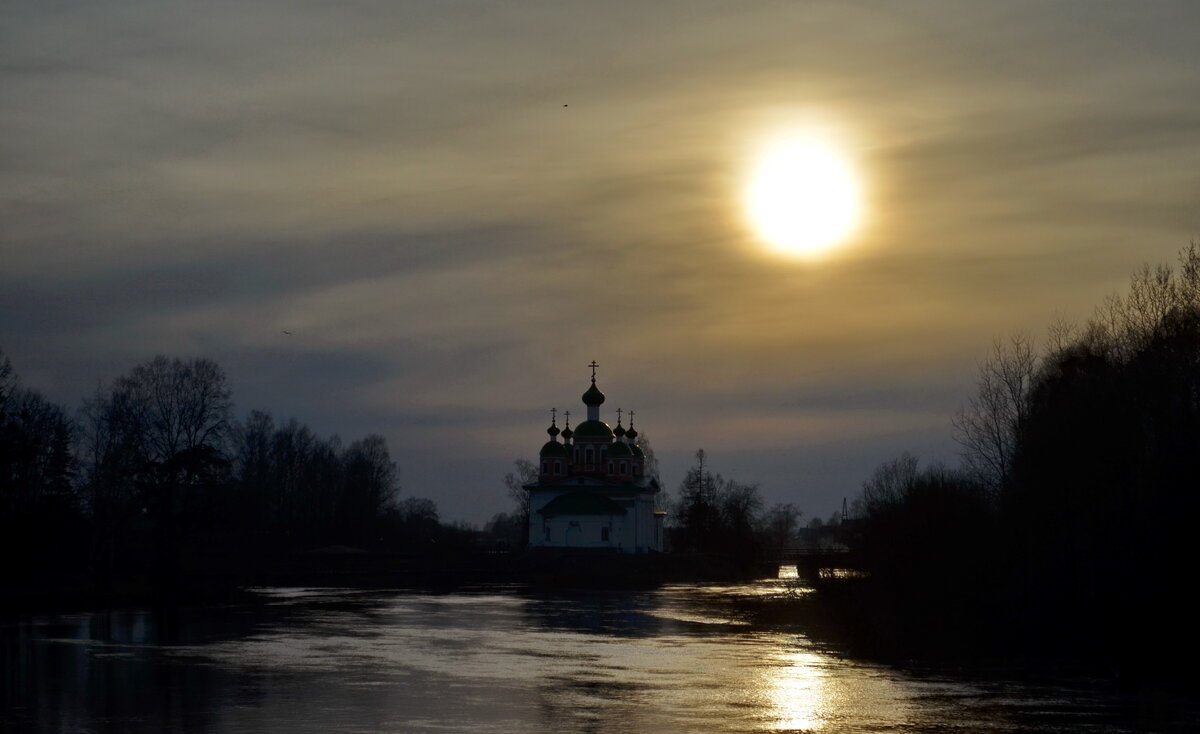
[(508, 659)]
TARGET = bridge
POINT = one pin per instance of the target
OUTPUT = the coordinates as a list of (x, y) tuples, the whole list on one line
[(810, 562)]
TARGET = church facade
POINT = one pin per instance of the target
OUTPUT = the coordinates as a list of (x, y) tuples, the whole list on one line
[(592, 490)]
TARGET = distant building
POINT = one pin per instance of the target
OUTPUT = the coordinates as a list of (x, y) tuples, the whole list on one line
[(592, 490)]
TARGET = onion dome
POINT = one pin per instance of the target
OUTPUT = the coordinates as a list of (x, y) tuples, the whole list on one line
[(593, 432), (619, 430), (619, 451), (593, 397), (553, 450), (567, 433), (631, 438)]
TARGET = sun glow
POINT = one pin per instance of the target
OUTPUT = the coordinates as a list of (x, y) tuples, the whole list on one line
[(803, 197)]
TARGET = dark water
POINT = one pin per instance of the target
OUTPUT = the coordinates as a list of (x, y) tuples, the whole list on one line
[(507, 660)]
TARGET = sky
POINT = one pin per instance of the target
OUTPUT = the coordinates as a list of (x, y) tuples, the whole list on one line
[(454, 207)]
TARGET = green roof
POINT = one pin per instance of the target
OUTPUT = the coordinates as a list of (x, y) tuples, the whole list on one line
[(554, 449), (619, 451), (593, 430), (582, 503)]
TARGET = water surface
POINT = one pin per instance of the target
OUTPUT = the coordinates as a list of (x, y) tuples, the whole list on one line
[(507, 660)]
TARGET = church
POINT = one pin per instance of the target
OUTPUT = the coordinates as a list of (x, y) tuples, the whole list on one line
[(592, 490)]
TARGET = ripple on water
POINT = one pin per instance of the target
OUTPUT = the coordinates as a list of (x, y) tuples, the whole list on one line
[(674, 659)]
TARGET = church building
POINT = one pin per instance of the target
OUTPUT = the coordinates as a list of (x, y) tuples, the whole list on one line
[(592, 490)]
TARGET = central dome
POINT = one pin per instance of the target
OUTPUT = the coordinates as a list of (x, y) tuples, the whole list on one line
[(592, 431)]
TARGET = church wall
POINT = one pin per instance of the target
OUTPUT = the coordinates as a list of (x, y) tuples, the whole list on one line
[(648, 532), (626, 533), (581, 531), (637, 531)]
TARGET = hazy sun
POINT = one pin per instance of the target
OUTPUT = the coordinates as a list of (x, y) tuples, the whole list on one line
[(803, 197)]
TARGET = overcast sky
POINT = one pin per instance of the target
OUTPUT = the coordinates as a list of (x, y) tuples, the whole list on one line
[(455, 206)]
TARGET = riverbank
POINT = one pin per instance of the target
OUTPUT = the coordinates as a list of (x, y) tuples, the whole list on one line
[(860, 617)]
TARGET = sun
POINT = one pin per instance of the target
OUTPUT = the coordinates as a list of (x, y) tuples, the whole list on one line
[(803, 197)]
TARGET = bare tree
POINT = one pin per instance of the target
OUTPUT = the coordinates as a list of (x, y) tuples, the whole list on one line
[(419, 510), (183, 405), (38, 504), (113, 471), (40, 465), (524, 473), (1128, 321), (779, 524), (1061, 334), (162, 429), (739, 504), (986, 428), (1189, 276), (7, 381), (370, 485), (889, 484), (651, 460)]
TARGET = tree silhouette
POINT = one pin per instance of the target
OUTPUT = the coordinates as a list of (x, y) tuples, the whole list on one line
[(987, 427), (524, 472), (39, 508), (1089, 456)]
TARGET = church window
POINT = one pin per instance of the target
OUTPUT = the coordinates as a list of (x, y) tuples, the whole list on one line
[(610, 467), (546, 529), (557, 466), (624, 467), (604, 534), (591, 455), (545, 467)]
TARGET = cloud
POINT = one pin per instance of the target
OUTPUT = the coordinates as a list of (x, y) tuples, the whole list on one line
[(402, 188)]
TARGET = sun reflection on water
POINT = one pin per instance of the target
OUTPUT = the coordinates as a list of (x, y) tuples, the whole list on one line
[(797, 689)]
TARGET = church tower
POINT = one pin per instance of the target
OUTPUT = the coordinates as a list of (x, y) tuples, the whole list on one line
[(592, 437)]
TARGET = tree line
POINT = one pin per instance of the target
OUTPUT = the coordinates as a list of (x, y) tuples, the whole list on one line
[(153, 472), (724, 517), (1067, 529)]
